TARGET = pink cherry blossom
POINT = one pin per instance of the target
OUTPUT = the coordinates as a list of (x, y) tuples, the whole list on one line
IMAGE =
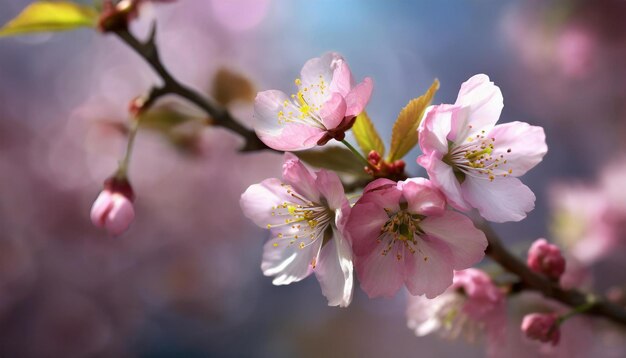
[(112, 211), (475, 162), (543, 327), (402, 234), (305, 213), (471, 307), (546, 258), (325, 106)]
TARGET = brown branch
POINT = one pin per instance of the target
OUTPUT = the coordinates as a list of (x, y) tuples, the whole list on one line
[(548, 288), (220, 116)]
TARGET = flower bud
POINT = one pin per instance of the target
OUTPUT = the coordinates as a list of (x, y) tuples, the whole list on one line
[(113, 209), (543, 327), (546, 258)]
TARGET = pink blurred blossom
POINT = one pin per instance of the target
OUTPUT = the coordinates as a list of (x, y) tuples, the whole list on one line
[(471, 307), (113, 210), (543, 327), (475, 162), (325, 106), (402, 234), (305, 213), (546, 258)]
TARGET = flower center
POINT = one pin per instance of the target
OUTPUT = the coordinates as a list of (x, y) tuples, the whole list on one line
[(403, 228), (305, 105), (476, 158), (304, 221)]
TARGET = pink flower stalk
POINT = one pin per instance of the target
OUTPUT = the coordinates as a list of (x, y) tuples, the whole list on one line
[(325, 106), (542, 327), (474, 162), (305, 213), (546, 258), (113, 209), (473, 305), (402, 234)]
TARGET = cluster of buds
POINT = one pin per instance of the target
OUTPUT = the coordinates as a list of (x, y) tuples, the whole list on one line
[(113, 209), (546, 259), (379, 168)]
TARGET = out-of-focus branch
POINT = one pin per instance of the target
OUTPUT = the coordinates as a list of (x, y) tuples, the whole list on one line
[(549, 289), (220, 116)]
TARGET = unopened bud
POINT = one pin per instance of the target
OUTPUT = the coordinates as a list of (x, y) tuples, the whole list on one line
[(374, 157), (542, 327), (546, 258), (113, 209)]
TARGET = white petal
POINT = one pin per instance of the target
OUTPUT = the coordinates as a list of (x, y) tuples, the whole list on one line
[(501, 200), (334, 271), (288, 262)]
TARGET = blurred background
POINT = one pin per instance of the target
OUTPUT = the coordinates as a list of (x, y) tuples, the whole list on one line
[(185, 280)]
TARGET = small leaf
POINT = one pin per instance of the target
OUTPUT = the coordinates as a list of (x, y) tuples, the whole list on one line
[(334, 158), (45, 16), (404, 133), (165, 117), (229, 86), (366, 135)]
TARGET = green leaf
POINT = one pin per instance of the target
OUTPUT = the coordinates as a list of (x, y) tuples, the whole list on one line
[(333, 158), (404, 134), (45, 16), (366, 135)]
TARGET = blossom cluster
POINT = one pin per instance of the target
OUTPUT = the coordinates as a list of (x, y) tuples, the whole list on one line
[(411, 233)]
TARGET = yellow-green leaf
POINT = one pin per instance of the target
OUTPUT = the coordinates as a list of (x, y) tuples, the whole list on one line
[(404, 134), (45, 16), (366, 135)]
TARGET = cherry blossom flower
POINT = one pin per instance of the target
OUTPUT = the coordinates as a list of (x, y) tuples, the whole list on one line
[(325, 106), (305, 213), (471, 307), (402, 234), (113, 209), (474, 162)]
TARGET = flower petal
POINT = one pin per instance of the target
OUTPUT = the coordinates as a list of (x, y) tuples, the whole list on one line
[(501, 200), (527, 145), (121, 215), (257, 202), (467, 244), (434, 129), (300, 178), (422, 197), (331, 188), (485, 103), (287, 261), (334, 271), (364, 225), (379, 275), (429, 270), (358, 97), (442, 175), (342, 79), (333, 111), (100, 208), (320, 68)]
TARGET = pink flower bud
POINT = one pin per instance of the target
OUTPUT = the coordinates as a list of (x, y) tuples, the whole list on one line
[(546, 258), (543, 327), (113, 209)]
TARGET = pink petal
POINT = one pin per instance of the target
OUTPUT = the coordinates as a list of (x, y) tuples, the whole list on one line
[(288, 262), (333, 111), (120, 216), (380, 275), (358, 97), (363, 227), (429, 271), (422, 197), (100, 208), (527, 145), (467, 244), (485, 103), (293, 137), (334, 271), (442, 175), (300, 178), (267, 104), (434, 129), (384, 193), (257, 202), (501, 200), (331, 188), (342, 79), (323, 66)]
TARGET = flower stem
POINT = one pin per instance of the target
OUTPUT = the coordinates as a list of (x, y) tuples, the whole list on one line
[(578, 310), (122, 171), (355, 152)]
